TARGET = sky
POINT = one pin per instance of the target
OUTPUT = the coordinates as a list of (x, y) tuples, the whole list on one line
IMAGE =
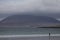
[(18, 6), (12, 6)]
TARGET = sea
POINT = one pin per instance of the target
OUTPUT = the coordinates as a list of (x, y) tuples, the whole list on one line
[(28, 31)]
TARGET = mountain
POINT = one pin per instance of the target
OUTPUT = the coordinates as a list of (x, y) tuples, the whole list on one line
[(28, 20)]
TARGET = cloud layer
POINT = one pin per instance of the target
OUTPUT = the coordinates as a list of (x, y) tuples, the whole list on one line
[(12, 6)]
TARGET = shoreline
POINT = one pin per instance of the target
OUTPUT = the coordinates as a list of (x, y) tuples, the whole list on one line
[(33, 35)]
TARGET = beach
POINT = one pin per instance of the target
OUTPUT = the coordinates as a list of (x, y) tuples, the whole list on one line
[(30, 37)]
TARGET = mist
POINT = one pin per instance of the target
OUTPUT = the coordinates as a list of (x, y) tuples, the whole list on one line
[(49, 8)]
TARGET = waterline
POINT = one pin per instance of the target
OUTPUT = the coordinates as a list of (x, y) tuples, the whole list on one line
[(33, 35)]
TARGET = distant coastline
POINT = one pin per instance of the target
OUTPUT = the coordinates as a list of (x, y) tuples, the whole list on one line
[(48, 27)]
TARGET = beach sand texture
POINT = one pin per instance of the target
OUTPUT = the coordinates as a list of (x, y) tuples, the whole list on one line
[(29, 37)]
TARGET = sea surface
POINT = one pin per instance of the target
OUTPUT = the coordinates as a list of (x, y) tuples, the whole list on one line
[(28, 31)]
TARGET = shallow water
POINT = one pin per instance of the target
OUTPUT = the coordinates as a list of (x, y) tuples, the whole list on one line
[(25, 31)]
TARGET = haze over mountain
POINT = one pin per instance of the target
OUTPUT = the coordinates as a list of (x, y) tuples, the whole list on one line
[(49, 7), (29, 12), (38, 13), (18, 6)]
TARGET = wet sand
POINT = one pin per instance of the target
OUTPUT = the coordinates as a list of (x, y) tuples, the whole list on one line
[(30, 37)]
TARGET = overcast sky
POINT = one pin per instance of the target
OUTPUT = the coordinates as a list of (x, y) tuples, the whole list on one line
[(17, 6), (10, 6)]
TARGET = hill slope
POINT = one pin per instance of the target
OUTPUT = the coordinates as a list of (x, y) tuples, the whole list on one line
[(22, 20)]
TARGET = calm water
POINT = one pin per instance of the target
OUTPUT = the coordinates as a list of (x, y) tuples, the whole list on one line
[(24, 31)]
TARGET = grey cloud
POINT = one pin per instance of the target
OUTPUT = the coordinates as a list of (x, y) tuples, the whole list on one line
[(12, 6)]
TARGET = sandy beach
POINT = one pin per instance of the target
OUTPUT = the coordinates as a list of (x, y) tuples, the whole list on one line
[(30, 37)]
